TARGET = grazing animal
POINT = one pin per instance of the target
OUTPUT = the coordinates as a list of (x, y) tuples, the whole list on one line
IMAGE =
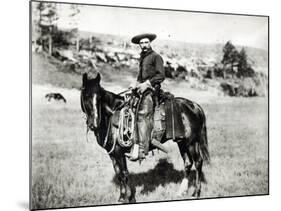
[(55, 96), (99, 105)]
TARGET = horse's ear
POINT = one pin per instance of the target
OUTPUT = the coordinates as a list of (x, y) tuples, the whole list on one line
[(84, 79), (98, 78)]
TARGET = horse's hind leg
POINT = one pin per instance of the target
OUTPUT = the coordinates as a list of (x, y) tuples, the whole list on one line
[(198, 166), (187, 160)]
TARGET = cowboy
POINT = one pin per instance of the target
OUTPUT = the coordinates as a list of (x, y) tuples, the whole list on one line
[(151, 75)]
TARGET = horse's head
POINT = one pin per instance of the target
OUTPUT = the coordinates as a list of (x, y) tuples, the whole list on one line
[(91, 100)]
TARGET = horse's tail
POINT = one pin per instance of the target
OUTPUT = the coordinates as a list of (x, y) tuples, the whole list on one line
[(203, 140)]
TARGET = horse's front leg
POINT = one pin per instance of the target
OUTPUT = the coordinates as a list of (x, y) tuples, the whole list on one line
[(127, 193), (118, 172)]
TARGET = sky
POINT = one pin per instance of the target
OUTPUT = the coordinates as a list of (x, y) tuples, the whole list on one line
[(189, 27)]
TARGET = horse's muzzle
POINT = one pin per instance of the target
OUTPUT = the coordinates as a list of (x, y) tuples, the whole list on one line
[(92, 125)]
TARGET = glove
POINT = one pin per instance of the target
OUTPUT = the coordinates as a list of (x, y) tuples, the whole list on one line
[(143, 86), (157, 87), (134, 85)]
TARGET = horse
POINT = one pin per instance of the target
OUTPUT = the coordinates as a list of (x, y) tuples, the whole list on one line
[(99, 105), (55, 96)]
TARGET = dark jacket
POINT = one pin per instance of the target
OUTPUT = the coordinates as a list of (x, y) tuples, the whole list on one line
[(151, 68)]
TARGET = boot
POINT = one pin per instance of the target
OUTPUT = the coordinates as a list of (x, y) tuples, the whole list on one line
[(158, 145), (137, 153)]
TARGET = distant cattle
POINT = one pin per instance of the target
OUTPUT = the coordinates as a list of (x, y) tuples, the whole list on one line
[(55, 96)]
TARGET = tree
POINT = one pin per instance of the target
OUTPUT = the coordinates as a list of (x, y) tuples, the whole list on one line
[(243, 64), (74, 16), (230, 55), (244, 69), (47, 22)]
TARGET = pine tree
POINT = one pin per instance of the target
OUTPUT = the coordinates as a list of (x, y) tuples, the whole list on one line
[(243, 64), (230, 55), (47, 22)]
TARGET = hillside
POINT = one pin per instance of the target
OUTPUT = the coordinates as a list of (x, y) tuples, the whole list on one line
[(195, 65), (210, 52)]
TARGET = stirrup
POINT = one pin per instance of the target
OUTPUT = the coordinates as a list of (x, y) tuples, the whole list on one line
[(135, 153)]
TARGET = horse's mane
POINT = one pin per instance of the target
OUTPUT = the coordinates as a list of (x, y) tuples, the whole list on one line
[(115, 96), (112, 99)]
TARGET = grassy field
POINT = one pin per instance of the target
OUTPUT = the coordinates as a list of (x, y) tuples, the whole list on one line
[(67, 171)]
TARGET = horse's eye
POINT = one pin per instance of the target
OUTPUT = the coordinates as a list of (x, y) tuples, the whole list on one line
[(87, 95)]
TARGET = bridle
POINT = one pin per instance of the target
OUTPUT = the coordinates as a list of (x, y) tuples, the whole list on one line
[(85, 111), (86, 117), (99, 121)]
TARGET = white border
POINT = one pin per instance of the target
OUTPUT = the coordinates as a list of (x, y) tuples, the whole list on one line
[(15, 105)]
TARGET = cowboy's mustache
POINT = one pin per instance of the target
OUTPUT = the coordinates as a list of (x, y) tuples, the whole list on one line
[(144, 48)]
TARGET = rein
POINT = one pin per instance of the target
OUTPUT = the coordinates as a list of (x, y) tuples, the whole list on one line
[(127, 90), (106, 139), (86, 115), (108, 128)]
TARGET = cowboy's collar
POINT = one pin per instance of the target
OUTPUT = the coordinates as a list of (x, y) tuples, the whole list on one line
[(145, 53)]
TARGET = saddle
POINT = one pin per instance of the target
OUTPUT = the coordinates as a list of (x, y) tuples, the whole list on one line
[(167, 120)]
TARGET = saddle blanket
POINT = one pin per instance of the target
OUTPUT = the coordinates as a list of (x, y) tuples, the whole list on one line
[(175, 127)]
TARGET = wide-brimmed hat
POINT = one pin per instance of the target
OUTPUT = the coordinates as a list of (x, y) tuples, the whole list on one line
[(136, 39)]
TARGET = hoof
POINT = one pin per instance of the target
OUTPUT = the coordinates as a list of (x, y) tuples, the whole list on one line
[(196, 194), (123, 200), (133, 200)]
